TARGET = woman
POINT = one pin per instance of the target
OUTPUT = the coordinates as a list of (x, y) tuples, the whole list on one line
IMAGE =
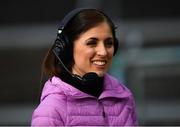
[(79, 91)]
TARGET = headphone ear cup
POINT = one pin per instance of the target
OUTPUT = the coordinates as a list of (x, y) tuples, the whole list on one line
[(63, 49), (116, 46), (59, 45)]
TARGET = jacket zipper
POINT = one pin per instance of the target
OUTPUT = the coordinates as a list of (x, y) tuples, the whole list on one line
[(103, 113)]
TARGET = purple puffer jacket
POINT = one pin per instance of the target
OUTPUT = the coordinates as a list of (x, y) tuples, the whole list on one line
[(61, 104)]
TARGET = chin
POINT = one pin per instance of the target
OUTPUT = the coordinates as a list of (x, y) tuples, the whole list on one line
[(100, 74)]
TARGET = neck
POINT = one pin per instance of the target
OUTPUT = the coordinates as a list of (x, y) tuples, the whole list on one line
[(89, 87)]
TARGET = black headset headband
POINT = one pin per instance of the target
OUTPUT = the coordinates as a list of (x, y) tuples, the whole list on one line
[(70, 15)]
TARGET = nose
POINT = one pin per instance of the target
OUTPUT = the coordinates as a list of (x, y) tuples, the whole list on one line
[(101, 50)]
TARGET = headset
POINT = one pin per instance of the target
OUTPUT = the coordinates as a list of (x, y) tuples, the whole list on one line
[(60, 50)]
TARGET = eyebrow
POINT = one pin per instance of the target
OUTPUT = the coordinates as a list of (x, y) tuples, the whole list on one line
[(94, 38)]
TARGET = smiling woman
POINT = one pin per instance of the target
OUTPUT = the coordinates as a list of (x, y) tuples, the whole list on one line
[(93, 50), (79, 92)]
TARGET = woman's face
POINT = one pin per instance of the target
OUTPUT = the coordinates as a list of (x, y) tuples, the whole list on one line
[(93, 50)]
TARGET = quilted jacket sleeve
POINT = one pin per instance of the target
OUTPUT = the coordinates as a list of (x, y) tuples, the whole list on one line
[(46, 116)]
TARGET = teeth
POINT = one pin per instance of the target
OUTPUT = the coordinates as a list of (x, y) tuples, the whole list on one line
[(99, 62)]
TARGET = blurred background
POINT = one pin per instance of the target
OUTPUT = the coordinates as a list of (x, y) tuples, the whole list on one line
[(148, 61)]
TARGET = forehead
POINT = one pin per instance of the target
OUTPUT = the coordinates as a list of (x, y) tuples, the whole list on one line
[(100, 30)]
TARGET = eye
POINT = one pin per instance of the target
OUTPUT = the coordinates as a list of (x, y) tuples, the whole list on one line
[(109, 43), (91, 42)]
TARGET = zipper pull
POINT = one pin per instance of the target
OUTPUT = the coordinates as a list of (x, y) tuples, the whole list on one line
[(103, 113)]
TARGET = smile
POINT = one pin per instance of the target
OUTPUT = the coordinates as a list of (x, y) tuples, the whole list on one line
[(99, 62)]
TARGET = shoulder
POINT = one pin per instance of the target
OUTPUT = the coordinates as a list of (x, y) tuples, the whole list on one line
[(122, 92), (52, 106), (117, 87), (53, 93), (50, 111), (113, 83), (52, 88)]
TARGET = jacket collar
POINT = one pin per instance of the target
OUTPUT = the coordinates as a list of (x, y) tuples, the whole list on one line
[(112, 88)]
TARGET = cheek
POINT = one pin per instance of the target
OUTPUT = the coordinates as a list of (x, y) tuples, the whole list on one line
[(89, 53), (83, 54), (111, 52)]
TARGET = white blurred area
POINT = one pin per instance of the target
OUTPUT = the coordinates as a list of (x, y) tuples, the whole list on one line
[(148, 61)]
